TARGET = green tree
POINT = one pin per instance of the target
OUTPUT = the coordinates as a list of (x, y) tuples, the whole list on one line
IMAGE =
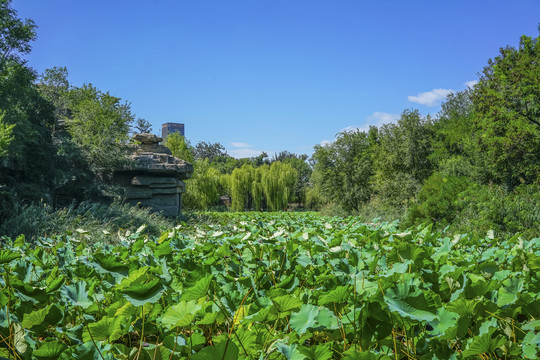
[(507, 114), (26, 168), (455, 153), (240, 185), (180, 147), (142, 126), (54, 86), (278, 185), (15, 35), (204, 187), (100, 126), (5, 136), (210, 151), (303, 170), (402, 160), (257, 188), (343, 170)]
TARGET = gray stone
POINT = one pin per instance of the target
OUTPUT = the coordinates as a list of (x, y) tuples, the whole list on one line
[(147, 138), (153, 177)]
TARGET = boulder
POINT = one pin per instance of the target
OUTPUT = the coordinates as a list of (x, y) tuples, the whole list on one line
[(153, 177)]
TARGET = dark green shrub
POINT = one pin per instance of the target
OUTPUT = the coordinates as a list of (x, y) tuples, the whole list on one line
[(437, 201), (100, 221), (486, 207)]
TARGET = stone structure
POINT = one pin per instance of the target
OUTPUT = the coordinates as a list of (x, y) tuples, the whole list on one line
[(154, 178)]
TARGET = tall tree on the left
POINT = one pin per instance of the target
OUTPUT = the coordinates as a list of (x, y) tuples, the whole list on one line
[(25, 168)]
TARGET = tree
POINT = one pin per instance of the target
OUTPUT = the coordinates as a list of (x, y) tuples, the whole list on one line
[(100, 127), (257, 187), (180, 147), (204, 187), (209, 151), (54, 86), (240, 182), (26, 168), (142, 126), (15, 35), (303, 170), (507, 114), (343, 170), (5, 136), (278, 185), (401, 160)]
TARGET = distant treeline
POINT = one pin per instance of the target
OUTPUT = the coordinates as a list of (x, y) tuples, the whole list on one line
[(474, 167)]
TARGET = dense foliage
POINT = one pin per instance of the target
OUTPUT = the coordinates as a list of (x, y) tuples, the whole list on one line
[(482, 147), (273, 286)]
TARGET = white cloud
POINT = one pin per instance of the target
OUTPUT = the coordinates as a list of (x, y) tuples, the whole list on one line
[(244, 150), (431, 98), (240, 145), (244, 153), (378, 118), (471, 83), (325, 142)]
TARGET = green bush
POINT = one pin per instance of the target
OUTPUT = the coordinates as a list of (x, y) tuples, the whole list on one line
[(437, 201), (486, 207), (99, 221)]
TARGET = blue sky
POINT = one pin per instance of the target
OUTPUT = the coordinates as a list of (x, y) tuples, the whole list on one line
[(274, 75)]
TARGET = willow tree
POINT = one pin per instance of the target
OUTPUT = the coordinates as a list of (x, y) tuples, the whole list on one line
[(278, 185), (203, 189), (240, 183), (257, 188), (180, 146)]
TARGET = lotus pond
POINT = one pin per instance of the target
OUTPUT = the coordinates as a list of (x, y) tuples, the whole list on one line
[(271, 286)]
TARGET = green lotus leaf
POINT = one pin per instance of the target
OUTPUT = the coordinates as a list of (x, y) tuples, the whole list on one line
[(364, 355), (533, 325), (444, 321), (246, 338), (327, 319), (107, 328), (4, 297), (508, 292), (227, 350), (305, 319), (142, 294), (291, 352), (286, 303), (111, 263), (483, 344), (316, 352), (405, 309), (462, 306), (534, 262), (55, 283), (531, 345), (199, 290), (135, 277), (50, 350), (76, 294), (7, 256), (180, 315), (208, 319), (338, 295), (39, 320)]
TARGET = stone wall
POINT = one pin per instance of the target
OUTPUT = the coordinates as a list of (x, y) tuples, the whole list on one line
[(154, 178)]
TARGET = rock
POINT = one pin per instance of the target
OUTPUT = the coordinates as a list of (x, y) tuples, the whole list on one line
[(146, 138), (153, 177)]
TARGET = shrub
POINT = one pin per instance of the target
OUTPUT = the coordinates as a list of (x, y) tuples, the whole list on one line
[(486, 207), (437, 200), (98, 220)]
